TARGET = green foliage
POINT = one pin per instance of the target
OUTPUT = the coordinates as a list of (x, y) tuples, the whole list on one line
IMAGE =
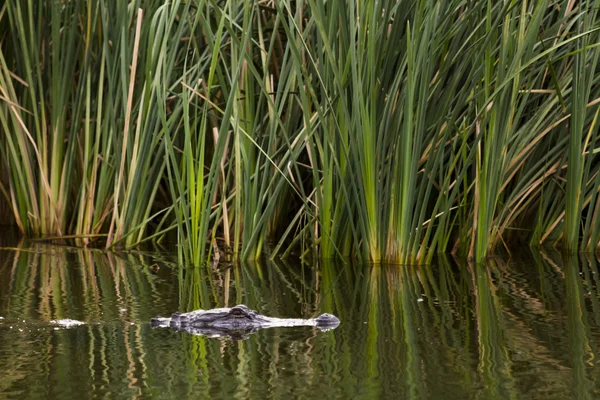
[(386, 130)]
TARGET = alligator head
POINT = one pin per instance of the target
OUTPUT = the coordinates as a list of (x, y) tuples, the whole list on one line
[(238, 317), (236, 322)]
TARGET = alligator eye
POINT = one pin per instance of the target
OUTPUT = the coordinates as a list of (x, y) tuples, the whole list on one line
[(236, 312)]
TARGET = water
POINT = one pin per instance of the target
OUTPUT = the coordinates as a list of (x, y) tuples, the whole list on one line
[(528, 327)]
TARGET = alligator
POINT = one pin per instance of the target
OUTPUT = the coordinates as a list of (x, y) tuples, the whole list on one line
[(236, 322)]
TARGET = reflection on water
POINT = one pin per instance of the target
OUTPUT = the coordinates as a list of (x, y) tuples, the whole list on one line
[(524, 328)]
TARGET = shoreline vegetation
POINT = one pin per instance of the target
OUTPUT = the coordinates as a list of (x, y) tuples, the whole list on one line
[(382, 131)]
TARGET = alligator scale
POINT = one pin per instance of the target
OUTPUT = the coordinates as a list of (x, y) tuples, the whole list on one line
[(236, 322)]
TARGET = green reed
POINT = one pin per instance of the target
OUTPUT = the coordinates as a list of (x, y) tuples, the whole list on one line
[(386, 130)]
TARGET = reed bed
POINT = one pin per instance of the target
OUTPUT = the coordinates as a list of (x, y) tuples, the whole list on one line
[(383, 131)]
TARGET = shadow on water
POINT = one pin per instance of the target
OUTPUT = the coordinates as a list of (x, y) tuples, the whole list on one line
[(527, 327)]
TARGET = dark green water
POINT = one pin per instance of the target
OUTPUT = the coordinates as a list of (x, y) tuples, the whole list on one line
[(524, 328)]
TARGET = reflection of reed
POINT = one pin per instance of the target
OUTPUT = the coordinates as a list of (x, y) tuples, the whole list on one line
[(55, 282), (580, 349), (272, 288), (494, 362), (373, 324), (408, 293), (497, 330), (531, 303), (445, 320)]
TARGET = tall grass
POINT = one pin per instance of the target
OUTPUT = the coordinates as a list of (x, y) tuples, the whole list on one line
[(80, 133), (386, 130)]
